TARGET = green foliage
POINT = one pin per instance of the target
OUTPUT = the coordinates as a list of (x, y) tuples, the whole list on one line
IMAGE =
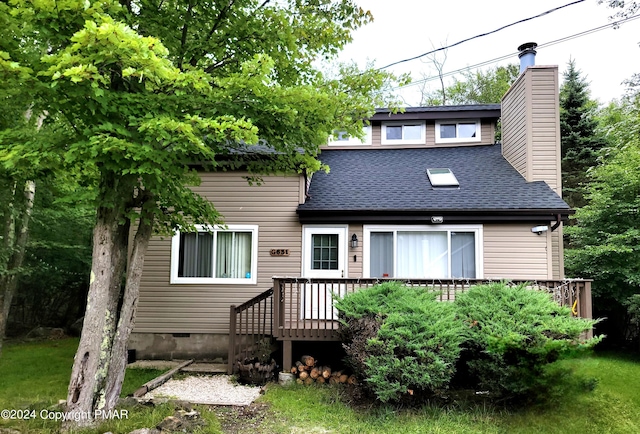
[(477, 87), (412, 344), (606, 238), (401, 340), (55, 275), (579, 136), (515, 333), (36, 373), (147, 90)]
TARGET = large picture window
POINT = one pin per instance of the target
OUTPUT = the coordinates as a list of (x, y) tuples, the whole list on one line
[(217, 255), (423, 252)]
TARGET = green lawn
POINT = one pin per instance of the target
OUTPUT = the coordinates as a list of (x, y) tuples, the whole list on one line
[(35, 376)]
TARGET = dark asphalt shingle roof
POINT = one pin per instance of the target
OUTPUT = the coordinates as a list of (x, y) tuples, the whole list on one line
[(445, 108), (396, 180)]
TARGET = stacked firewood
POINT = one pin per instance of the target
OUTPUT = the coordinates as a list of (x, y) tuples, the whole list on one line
[(307, 372)]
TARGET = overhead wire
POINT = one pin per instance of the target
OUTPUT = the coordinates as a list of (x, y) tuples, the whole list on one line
[(512, 54), (480, 35)]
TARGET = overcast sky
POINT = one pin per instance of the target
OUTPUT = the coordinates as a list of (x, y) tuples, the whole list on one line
[(407, 28)]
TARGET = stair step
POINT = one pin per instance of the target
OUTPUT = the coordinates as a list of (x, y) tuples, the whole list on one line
[(206, 368)]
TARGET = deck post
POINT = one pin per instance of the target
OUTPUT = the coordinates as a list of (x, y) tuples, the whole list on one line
[(231, 358), (287, 355), (586, 308), (276, 307)]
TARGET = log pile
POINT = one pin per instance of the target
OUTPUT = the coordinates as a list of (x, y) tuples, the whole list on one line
[(308, 372)]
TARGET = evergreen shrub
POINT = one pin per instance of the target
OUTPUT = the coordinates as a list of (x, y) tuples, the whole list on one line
[(399, 340), (495, 338), (514, 335)]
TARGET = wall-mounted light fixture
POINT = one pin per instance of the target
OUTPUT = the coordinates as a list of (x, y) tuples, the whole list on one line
[(354, 241), (539, 229)]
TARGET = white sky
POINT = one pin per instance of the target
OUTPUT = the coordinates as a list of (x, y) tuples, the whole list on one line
[(407, 28)]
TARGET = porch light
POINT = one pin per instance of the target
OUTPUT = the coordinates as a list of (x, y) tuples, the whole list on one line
[(354, 241)]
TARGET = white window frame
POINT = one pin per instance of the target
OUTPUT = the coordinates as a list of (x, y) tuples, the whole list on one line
[(456, 139), (353, 140), (476, 229), (420, 141), (175, 257)]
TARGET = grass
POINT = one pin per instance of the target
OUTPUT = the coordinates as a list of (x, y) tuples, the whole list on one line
[(35, 375), (576, 407)]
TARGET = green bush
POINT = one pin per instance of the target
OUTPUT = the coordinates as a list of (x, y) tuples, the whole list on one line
[(399, 340), (514, 334)]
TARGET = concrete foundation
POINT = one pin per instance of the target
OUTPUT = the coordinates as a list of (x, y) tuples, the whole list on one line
[(168, 346)]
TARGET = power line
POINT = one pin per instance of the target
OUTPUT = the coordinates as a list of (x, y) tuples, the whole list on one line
[(513, 54), (480, 35)]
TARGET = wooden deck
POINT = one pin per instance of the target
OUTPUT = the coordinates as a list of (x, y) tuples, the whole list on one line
[(301, 309)]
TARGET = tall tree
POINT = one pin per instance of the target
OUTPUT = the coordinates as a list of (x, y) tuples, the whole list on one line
[(606, 237), (20, 122), (476, 87), (579, 137), (149, 88), (53, 283)]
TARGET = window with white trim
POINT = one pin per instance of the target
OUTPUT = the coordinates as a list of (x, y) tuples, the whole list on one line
[(215, 255), (423, 252), (404, 133), (458, 131), (340, 138)]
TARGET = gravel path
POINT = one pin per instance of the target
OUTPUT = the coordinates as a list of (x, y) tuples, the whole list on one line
[(210, 389)]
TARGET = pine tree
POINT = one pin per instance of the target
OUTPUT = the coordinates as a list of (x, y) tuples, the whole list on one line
[(580, 140)]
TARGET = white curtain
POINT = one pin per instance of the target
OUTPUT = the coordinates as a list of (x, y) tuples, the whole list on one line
[(381, 254), (196, 250), (422, 255), (463, 254), (233, 255)]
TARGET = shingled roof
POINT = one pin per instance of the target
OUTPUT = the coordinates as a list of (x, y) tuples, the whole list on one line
[(392, 185)]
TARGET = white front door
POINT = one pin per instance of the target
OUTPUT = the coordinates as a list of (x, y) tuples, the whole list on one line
[(324, 256)]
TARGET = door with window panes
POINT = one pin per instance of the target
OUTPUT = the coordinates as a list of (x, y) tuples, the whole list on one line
[(324, 256)]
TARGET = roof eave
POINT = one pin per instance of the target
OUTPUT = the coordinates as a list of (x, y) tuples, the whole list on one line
[(308, 216)]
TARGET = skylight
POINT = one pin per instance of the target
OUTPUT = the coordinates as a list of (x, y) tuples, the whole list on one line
[(442, 178)]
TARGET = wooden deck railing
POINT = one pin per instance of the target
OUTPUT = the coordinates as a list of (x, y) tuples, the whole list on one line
[(249, 323), (304, 307)]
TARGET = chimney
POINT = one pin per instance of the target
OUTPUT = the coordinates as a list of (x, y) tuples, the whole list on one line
[(527, 55)]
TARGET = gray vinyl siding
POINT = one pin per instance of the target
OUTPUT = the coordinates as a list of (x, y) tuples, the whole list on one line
[(545, 127), (531, 139), (355, 267), (513, 251), (531, 126), (190, 308), (515, 126)]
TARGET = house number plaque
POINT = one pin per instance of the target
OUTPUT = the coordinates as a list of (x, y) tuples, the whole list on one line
[(279, 252)]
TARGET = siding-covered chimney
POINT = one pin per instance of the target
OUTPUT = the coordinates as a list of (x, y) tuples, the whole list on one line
[(527, 55), (531, 137)]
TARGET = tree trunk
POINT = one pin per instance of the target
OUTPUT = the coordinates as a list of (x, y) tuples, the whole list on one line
[(118, 363), (16, 243), (89, 376)]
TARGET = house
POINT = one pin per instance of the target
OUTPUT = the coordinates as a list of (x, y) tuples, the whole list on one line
[(428, 195)]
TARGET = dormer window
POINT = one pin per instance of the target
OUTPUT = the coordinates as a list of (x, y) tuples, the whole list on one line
[(340, 138), (458, 131), (403, 133)]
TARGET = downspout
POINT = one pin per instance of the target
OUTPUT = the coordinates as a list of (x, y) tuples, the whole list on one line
[(558, 223)]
